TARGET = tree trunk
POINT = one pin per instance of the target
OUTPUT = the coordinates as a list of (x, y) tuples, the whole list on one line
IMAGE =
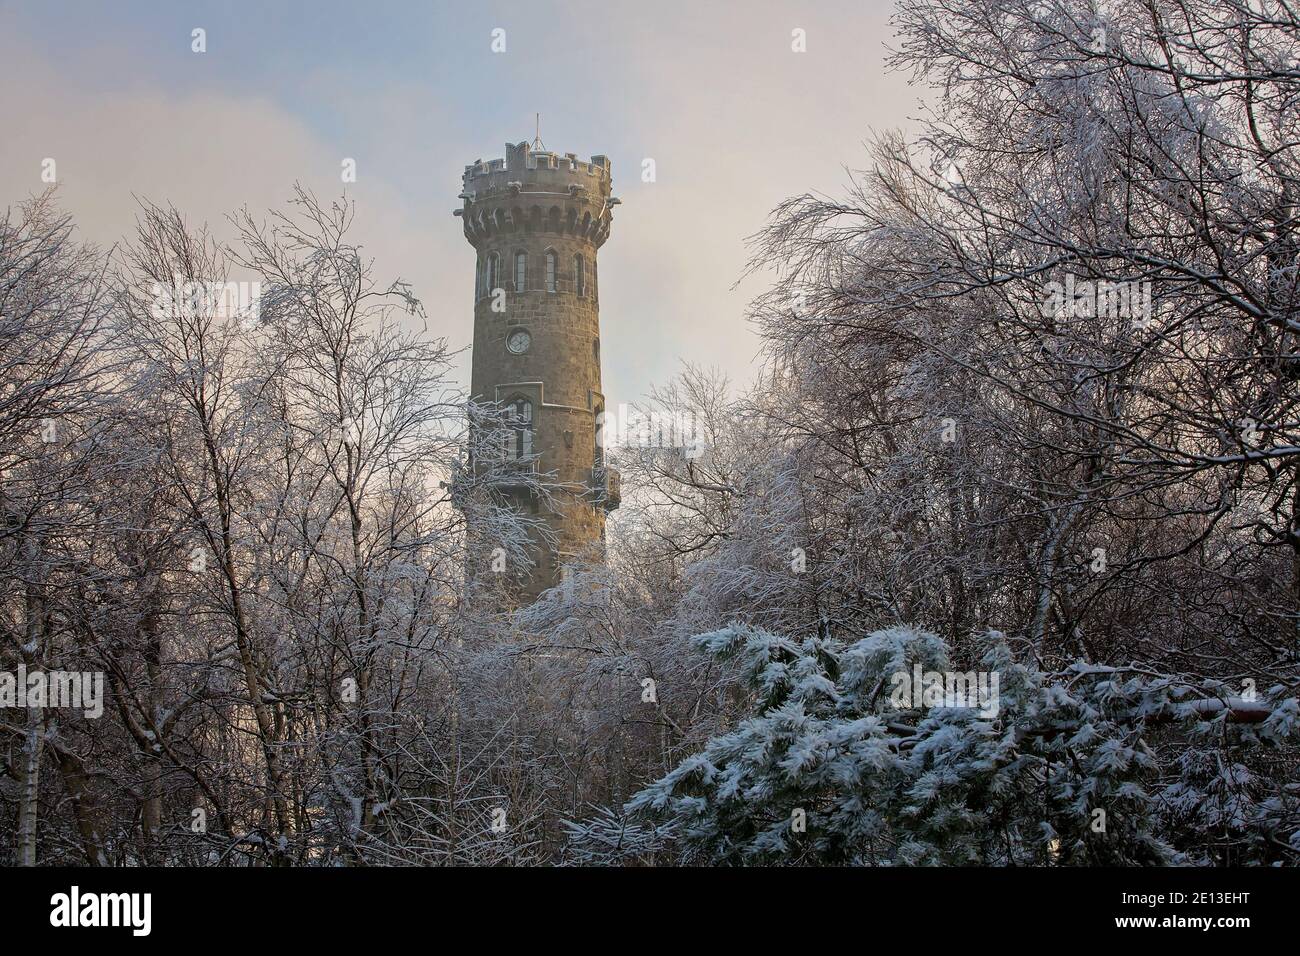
[(29, 778)]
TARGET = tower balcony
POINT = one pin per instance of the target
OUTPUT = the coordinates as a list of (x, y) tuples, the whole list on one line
[(510, 474), (606, 487)]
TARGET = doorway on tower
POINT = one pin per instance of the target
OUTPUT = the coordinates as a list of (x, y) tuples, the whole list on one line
[(519, 429), (518, 451)]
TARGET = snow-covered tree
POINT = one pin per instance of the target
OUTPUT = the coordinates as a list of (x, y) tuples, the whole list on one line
[(1087, 766)]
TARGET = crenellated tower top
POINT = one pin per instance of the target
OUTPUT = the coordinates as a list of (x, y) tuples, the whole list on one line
[(537, 192)]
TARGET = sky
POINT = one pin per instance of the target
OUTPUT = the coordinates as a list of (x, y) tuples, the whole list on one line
[(734, 118)]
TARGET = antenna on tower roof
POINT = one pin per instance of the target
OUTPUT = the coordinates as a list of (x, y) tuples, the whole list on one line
[(537, 135)]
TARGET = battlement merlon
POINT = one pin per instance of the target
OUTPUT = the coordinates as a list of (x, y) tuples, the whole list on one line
[(536, 191), (523, 164)]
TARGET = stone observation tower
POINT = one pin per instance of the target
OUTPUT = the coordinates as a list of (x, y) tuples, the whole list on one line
[(536, 221)]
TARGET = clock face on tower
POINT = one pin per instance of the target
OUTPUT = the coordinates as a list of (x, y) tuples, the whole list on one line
[(519, 341)]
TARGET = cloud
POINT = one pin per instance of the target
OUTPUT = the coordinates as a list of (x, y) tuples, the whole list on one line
[(734, 119), (211, 153)]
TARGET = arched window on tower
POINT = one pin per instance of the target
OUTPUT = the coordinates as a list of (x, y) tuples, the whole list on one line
[(579, 276), (493, 273), (521, 272), (519, 418), (550, 270)]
